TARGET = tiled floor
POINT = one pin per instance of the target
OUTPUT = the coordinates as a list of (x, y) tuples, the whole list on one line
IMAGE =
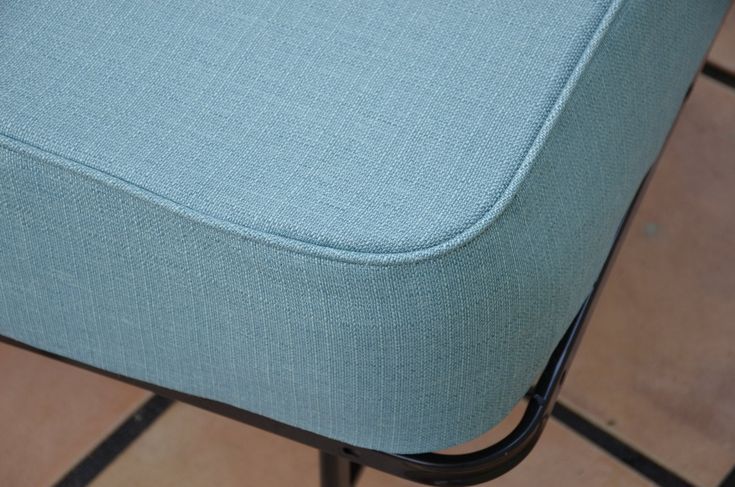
[(52, 415), (656, 369), (212, 450)]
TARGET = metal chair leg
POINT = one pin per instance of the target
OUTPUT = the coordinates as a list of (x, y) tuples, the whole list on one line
[(336, 471)]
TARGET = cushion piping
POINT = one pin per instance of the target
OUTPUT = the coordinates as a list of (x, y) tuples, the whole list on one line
[(455, 242)]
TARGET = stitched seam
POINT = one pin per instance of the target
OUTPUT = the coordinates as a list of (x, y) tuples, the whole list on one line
[(451, 244)]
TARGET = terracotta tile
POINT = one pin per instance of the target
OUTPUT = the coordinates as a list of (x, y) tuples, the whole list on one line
[(190, 447), (52, 415), (657, 366), (723, 50)]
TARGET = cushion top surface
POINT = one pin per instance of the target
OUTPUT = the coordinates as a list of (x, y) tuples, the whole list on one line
[(367, 127)]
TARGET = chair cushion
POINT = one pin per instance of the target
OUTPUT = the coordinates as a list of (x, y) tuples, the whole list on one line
[(371, 220)]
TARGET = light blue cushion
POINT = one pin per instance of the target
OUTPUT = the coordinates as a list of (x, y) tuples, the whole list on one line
[(372, 220)]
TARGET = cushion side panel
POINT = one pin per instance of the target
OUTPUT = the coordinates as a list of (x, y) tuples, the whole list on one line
[(378, 356)]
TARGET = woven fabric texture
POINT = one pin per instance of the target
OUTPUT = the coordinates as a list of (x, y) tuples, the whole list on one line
[(371, 220)]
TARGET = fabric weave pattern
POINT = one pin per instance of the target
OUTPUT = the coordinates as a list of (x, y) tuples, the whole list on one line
[(371, 220)]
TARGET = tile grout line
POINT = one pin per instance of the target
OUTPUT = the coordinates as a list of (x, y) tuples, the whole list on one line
[(716, 73), (112, 446), (617, 448)]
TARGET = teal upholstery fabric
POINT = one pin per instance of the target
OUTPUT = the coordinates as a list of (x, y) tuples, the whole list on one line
[(371, 220)]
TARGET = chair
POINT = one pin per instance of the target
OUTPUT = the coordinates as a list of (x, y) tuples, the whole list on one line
[(364, 225)]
